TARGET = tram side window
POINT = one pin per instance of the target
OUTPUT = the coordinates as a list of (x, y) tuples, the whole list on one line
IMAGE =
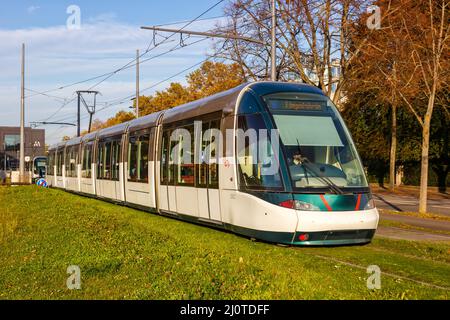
[(71, 161), (164, 158), (115, 159), (59, 162), (87, 160), (100, 165), (107, 161), (202, 167), (213, 173), (171, 161), (256, 172), (208, 169), (184, 149), (51, 163), (67, 162), (138, 157)]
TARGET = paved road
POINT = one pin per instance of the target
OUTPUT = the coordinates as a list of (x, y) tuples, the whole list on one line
[(416, 231), (411, 204), (417, 222), (405, 234)]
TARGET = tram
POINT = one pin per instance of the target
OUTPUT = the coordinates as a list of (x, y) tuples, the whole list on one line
[(39, 167), (268, 160)]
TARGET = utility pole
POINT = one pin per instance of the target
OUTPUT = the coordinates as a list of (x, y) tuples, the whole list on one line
[(78, 115), (274, 42), (22, 120), (137, 83), (90, 108), (4, 160)]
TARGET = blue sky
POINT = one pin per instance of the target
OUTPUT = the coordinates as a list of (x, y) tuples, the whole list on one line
[(109, 36), (46, 13)]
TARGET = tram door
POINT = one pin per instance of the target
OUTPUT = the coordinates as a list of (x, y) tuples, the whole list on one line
[(208, 171)]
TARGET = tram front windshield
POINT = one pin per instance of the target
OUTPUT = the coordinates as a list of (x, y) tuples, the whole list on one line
[(317, 145)]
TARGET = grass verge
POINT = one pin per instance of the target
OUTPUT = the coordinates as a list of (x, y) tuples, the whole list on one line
[(129, 254)]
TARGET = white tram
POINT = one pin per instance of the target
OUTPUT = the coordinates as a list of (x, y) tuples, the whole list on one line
[(315, 192)]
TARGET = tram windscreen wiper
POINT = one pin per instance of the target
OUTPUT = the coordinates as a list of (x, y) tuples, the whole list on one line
[(306, 163)]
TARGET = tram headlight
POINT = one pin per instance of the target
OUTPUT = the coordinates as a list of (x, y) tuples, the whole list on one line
[(299, 205), (370, 204)]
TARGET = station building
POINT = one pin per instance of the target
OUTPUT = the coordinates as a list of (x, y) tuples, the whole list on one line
[(10, 146)]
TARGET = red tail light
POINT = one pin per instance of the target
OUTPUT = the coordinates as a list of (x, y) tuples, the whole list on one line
[(299, 205), (303, 237), (288, 204)]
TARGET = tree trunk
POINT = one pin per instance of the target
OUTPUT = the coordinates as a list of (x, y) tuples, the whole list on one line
[(393, 148), (425, 151)]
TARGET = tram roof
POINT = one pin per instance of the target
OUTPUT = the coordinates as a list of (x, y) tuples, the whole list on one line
[(73, 141), (116, 130), (226, 101), (223, 101), (145, 122), (90, 136)]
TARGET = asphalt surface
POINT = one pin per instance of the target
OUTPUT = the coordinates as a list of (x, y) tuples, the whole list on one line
[(405, 234), (411, 204)]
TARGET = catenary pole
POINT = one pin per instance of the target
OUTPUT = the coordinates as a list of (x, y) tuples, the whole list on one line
[(137, 84), (22, 119)]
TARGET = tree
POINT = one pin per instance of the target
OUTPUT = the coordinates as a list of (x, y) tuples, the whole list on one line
[(313, 38), (370, 124), (176, 94), (210, 78), (412, 63), (380, 68), (424, 27)]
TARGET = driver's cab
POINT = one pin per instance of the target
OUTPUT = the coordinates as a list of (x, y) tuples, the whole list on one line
[(311, 150)]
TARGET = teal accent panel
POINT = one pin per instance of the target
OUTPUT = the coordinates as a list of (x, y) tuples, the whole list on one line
[(339, 237), (337, 202)]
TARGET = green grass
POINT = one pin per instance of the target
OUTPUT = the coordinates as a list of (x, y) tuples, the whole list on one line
[(128, 254)]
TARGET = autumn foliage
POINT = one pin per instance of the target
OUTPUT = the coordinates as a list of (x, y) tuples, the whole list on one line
[(210, 78)]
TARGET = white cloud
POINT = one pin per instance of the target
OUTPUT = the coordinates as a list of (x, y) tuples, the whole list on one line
[(106, 17), (56, 56), (32, 9)]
